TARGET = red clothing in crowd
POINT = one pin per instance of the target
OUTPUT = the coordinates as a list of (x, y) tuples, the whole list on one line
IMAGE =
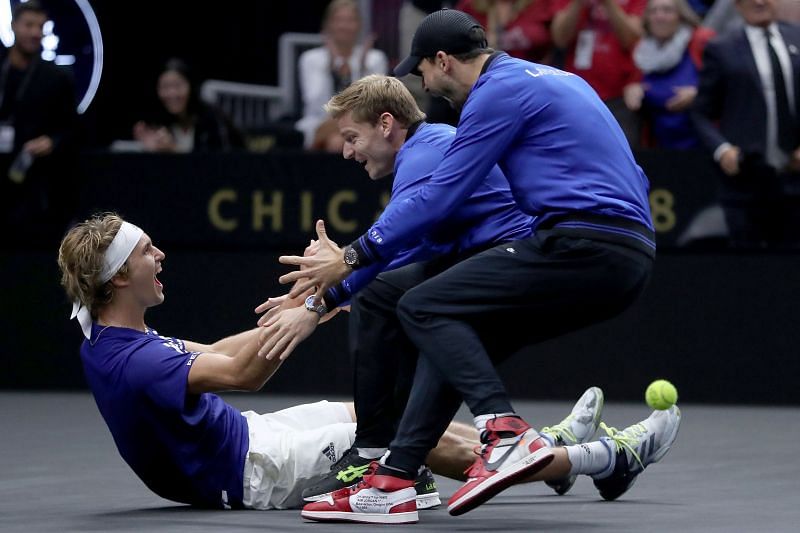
[(527, 36), (611, 66)]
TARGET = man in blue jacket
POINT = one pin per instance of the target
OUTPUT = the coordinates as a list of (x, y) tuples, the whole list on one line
[(384, 129), (591, 254)]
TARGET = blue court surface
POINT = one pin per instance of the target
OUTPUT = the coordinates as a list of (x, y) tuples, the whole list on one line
[(732, 468)]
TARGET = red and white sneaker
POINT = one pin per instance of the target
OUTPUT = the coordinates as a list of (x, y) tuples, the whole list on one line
[(377, 499), (511, 451)]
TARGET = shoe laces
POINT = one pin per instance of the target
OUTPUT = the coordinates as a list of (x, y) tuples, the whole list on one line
[(488, 440), (480, 451), (626, 439), (562, 428), (351, 473)]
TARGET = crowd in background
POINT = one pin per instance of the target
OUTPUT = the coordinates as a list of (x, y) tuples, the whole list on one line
[(673, 72)]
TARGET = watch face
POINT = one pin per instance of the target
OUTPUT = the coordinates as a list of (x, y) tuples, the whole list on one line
[(351, 257), (310, 303), (319, 309)]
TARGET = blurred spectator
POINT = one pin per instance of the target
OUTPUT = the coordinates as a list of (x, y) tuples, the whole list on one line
[(38, 121), (669, 57), (598, 36), (385, 15), (182, 122), (746, 114), (789, 11), (327, 138), (519, 27), (326, 70), (700, 7), (722, 17)]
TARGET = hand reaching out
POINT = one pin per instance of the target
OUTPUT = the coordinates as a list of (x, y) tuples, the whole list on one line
[(273, 306), (322, 270), (283, 332)]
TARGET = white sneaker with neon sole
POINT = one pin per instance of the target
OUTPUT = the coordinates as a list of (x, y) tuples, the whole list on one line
[(578, 427), (636, 447)]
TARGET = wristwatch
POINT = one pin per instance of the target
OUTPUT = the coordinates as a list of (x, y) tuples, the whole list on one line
[(351, 257), (320, 309)]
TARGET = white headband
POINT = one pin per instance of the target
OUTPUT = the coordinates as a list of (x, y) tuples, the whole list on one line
[(117, 253)]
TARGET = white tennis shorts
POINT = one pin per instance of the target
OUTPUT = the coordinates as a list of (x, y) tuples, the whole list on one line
[(291, 446)]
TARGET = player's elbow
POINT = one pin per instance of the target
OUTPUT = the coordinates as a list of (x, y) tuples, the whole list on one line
[(252, 384), (254, 379), (248, 387), (246, 381)]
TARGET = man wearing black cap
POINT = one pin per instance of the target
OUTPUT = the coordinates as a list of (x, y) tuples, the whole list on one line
[(568, 163)]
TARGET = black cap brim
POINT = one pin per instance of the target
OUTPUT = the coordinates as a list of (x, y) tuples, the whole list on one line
[(408, 66)]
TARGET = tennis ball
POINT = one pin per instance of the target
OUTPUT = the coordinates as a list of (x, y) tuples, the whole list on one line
[(661, 394)]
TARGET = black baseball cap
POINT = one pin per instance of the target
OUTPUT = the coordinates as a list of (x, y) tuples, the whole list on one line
[(448, 30)]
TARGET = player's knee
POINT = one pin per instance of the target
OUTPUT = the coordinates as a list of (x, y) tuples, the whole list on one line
[(378, 294), (410, 308)]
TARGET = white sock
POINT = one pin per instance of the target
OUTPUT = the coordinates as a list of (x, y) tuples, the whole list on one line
[(480, 420), (371, 453), (595, 459)]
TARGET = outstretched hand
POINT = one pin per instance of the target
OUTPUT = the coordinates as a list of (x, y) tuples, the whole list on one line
[(283, 332), (322, 270), (273, 306)]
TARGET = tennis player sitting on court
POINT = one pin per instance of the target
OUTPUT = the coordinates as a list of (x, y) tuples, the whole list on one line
[(154, 393)]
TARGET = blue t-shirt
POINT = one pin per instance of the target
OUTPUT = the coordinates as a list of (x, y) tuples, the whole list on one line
[(188, 448), (671, 129), (486, 217), (558, 145)]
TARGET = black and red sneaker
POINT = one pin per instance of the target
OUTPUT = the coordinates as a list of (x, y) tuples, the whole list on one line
[(377, 499), (511, 451)]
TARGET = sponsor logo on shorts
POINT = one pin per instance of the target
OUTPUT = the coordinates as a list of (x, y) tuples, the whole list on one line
[(175, 344), (329, 451)]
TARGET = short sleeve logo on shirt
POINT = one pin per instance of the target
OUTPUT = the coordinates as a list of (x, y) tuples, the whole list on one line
[(175, 344)]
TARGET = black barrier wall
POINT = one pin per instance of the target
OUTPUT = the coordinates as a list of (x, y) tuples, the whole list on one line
[(721, 326), (269, 200)]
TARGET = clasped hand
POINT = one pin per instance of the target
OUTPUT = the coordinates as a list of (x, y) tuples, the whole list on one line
[(285, 320), (322, 270)]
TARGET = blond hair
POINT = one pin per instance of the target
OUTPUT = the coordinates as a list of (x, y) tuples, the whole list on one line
[(81, 258), (335, 6), (686, 14), (371, 96)]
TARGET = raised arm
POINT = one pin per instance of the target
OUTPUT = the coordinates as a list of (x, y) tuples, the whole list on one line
[(565, 23), (627, 27)]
